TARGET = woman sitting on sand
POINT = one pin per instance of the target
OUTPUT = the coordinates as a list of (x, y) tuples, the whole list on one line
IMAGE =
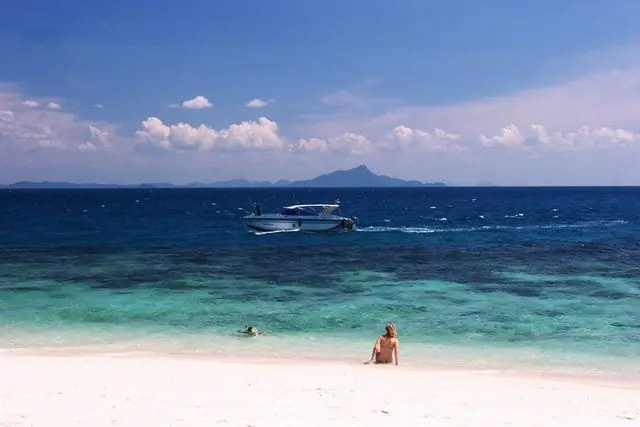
[(385, 350)]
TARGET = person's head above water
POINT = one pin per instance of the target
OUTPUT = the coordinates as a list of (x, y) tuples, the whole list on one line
[(251, 331), (391, 330)]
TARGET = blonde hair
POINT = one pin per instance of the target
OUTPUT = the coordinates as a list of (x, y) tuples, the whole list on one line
[(391, 330)]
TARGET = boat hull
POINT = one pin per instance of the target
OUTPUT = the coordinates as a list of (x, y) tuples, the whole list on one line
[(282, 223)]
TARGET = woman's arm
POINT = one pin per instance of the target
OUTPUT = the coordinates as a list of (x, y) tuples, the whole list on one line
[(395, 351), (376, 350)]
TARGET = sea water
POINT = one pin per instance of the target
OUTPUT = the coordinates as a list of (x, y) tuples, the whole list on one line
[(542, 277)]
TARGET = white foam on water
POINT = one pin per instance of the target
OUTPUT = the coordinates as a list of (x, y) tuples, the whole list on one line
[(427, 229)]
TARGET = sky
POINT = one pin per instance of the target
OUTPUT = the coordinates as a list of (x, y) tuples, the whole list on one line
[(461, 91)]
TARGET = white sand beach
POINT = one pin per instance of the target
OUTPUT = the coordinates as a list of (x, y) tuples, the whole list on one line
[(65, 390)]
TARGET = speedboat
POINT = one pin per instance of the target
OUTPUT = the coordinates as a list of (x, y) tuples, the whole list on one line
[(312, 217)]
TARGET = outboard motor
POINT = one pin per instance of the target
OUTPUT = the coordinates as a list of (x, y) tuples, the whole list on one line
[(350, 223)]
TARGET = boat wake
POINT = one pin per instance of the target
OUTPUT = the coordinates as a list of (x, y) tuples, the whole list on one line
[(426, 229)]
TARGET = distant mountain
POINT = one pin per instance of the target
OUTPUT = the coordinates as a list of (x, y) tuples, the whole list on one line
[(360, 176), (63, 184), (70, 185)]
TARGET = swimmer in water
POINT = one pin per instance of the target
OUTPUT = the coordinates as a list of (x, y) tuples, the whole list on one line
[(385, 349), (251, 331)]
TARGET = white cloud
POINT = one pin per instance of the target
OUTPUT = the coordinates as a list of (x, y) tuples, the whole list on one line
[(584, 138), (351, 143), (401, 138), (347, 143), (261, 134), (604, 98), (407, 139), (98, 106), (98, 139), (197, 103), (33, 104), (313, 144), (509, 137), (6, 115), (24, 128), (258, 103), (19, 135)]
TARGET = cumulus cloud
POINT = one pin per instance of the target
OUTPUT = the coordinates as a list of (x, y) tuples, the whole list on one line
[(584, 138), (408, 139), (31, 103), (261, 134), (98, 106), (509, 137), (54, 106), (401, 138), (97, 139), (196, 103), (258, 103), (348, 142)]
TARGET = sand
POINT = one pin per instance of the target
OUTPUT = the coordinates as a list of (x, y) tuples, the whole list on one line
[(167, 390)]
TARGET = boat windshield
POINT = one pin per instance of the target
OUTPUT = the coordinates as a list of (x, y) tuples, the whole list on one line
[(298, 211), (308, 210)]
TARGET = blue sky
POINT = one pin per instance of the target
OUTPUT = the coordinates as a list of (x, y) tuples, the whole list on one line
[(520, 93)]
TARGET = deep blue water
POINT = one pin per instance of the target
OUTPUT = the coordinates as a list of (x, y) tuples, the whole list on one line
[(549, 269)]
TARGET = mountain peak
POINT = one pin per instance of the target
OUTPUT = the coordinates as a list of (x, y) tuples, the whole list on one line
[(361, 168), (361, 171)]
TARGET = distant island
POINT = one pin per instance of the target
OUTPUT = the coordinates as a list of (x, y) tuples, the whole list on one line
[(360, 176)]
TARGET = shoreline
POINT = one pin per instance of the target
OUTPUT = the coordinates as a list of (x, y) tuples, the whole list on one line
[(612, 378), (340, 349), (146, 389)]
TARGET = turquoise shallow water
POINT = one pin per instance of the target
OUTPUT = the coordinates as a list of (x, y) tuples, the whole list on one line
[(531, 277)]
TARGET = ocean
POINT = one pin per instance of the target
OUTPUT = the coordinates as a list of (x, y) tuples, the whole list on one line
[(542, 278)]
